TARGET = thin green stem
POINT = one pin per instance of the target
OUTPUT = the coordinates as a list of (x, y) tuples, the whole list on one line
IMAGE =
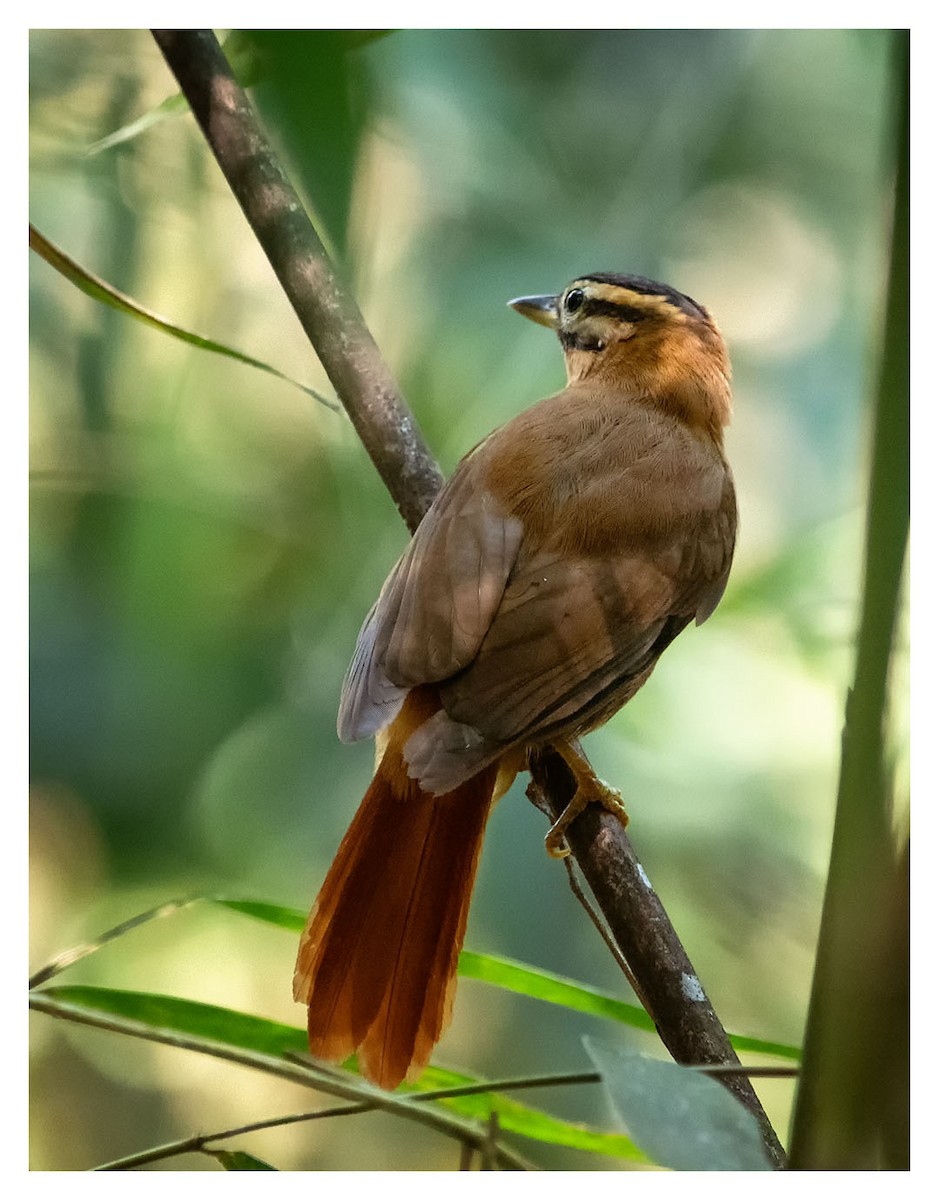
[(857, 1004), (200, 1142)]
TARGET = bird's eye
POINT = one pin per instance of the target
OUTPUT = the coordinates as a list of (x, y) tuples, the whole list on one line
[(573, 300)]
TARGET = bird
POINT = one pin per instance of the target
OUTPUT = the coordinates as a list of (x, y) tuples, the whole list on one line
[(566, 552)]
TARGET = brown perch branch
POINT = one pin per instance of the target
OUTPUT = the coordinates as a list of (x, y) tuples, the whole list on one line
[(640, 926)]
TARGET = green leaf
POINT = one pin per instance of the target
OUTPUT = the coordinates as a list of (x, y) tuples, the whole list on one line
[(515, 1117), (274, 1040), (554, 989), (244, 63), (526, 981), (225, 1025), (170, 107), (274, 914), (681, 1118), (314, 91), (103, 292), (238, 1160)]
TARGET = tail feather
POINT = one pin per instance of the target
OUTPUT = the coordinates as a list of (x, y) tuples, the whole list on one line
[(377, 960)]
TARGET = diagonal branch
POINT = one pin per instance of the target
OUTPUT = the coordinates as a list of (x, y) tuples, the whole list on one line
[(329, 315), (685, 1019)]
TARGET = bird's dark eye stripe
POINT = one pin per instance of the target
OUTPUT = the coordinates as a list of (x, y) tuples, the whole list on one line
[(608, 308)]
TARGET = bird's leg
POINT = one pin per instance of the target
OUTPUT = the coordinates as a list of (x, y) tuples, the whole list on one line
[(589, 789)]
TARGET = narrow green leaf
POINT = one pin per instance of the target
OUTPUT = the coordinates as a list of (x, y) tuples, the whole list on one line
[(522, 1119), (170, 107), (274, 914), (225, 1025), (68, 958), (554, 989), (103, 292), (270, 1038), (238, 1160), (315, 94), (244, 62), (681, 1118), (526, 981)]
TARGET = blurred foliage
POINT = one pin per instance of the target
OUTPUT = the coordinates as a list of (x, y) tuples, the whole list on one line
[(205, 540)]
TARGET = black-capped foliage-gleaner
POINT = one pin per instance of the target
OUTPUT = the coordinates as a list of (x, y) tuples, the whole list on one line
[(566, 552)]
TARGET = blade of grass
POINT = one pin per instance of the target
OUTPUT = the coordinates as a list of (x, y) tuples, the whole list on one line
[(239, 51), (271, 1046), (98, 289), (69, 957), (55, 1002), (524, 981), (291, 919), (239, 1160), (242, 1031), (170, 107), (485, 968), (515, 1117)]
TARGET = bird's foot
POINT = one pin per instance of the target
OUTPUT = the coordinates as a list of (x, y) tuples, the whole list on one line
[(590, 789)]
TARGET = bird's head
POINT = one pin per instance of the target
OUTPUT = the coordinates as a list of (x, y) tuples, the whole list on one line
[(645, 337)]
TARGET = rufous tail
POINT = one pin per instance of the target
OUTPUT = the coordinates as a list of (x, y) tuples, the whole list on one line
[(378, 957)]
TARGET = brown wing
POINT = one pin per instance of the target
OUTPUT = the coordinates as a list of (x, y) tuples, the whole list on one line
[(573, 634), (567, 632), (546, 579), (621, 551), (436, 605)]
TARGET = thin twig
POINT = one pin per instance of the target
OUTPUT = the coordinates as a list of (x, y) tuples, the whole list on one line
[(566, 1078), (443, 1122), (309, 1073), (637, 921), (604, 932), (719, 1069), (488, 1153), (199, 1142), (482, 1087)]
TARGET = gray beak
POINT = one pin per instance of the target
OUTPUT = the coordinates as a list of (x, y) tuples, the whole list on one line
[(541, 309)]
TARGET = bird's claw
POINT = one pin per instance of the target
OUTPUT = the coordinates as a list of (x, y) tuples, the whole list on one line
[(590, 790)]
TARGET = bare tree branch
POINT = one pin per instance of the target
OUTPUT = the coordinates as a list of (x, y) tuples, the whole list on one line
[(327, 312), (685, 1018), (666, 982)]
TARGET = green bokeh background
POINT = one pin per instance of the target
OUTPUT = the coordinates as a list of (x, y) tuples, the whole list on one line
[(205, 539)]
